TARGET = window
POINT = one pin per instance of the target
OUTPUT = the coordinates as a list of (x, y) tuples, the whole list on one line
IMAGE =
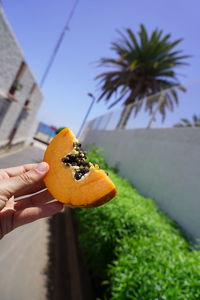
[(26, 105), (16, 85), (27, 102)]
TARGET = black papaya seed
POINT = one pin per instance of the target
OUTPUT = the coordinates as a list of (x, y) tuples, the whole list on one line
[(76, 144), (78, 176)]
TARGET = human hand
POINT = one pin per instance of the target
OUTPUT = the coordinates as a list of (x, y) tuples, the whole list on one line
[(20, 181)]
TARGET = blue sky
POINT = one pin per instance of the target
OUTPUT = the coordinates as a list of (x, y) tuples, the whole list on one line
[(37, 25)]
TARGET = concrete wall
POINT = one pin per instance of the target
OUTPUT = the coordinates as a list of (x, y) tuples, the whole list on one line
[(163, 164), (11, 58)]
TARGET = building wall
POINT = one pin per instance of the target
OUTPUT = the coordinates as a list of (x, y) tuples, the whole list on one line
[(11, 58), (29, 116), (10, 55), (162, 164)]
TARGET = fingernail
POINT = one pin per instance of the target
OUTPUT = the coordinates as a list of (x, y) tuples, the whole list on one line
[(42, 167)]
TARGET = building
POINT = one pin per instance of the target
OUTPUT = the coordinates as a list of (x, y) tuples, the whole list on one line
[(20, 95), (45, 133)]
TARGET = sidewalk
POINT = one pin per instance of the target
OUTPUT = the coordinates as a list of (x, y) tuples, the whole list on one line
[(23, 252)]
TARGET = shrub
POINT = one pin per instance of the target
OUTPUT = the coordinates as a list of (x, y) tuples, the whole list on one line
[(59, 129), (133, 251)]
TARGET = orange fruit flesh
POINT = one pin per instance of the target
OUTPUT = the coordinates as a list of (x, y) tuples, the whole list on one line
[(94, 189)]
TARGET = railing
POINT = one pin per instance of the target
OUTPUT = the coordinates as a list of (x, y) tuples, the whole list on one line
[(138, 116)]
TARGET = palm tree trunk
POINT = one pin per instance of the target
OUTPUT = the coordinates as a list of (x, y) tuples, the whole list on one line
[(160, 100), (125, 115)]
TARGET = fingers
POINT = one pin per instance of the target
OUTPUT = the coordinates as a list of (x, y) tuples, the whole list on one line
[(31, 189), (2, 203), (6, 218), (34, 200), (31, 214), (10, 172), (24, 182), (14, 171), (9, 205)]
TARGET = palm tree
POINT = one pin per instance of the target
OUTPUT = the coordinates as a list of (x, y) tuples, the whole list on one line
[(187, 123), (143, 67)]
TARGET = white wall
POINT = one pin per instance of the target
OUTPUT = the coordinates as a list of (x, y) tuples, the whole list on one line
[(163, 164)]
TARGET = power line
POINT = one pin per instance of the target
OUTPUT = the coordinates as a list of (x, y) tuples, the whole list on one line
[(58, 44)]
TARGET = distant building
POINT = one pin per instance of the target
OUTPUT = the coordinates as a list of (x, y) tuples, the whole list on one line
[(45, 133), (20, 95)]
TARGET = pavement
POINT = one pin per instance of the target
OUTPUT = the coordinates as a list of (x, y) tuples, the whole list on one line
[(23, 252)]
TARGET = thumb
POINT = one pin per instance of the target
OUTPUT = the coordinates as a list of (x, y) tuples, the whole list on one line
[(23, 181)]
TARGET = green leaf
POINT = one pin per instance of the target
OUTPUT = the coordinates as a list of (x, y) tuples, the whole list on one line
[(144, 60)]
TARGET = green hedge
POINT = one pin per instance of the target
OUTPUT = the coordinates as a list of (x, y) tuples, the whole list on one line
[(133, 251)]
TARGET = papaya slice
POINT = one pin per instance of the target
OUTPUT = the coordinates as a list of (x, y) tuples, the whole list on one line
[(71, 178)]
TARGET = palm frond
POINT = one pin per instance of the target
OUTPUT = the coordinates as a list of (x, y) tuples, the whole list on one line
[(145, 65)]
